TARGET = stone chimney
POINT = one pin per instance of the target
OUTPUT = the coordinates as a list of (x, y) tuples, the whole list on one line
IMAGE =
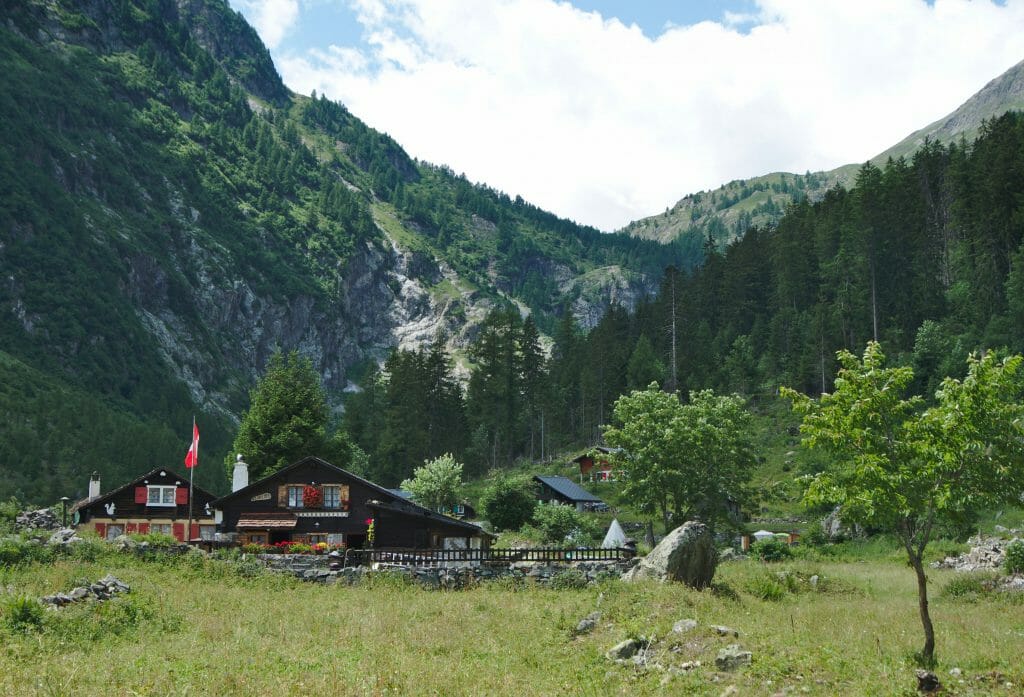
[(94, 485), (240, 477)]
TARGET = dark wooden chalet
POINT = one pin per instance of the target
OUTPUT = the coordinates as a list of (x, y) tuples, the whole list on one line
[(565, 491), (313, 501), (156, 502)]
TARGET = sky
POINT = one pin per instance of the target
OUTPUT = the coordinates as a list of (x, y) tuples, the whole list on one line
[(607, 111)]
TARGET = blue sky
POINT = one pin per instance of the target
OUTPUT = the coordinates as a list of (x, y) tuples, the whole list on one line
[(606, 111)]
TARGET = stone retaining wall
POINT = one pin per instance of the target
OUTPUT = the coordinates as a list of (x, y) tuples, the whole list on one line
[(317, 568)]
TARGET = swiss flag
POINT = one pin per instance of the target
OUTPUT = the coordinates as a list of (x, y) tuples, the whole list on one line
[(192, 458)]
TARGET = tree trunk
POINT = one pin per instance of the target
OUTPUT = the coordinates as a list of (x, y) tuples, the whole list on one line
[(928, 652)]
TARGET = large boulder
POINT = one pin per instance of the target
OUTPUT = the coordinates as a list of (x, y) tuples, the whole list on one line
[(687, 554)]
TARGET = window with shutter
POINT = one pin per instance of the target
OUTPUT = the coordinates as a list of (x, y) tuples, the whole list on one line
[(101, 529), (178, 530), (141, 494), (181, 495)]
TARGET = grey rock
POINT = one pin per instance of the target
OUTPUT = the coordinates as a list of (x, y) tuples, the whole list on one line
[(686, 554), (722, 630), (587, 624), (814, 581), (684, 626), (79, 593), (732, 657), (624, 650)]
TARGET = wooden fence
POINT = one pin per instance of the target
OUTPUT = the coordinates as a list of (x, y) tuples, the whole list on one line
[(442, 557)]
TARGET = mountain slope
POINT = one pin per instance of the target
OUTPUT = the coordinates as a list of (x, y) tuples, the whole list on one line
[(727, 212), (171, 214)]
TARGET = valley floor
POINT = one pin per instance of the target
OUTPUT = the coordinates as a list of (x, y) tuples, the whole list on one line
[(199, 627)]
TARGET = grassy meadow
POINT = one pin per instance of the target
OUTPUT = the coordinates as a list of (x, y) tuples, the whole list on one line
[(196, 626)]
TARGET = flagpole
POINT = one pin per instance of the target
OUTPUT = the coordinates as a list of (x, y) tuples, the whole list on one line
[(191, 488)]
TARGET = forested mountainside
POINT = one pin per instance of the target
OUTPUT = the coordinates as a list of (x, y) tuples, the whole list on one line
[(727, 212), (923, 255), (171, 214)]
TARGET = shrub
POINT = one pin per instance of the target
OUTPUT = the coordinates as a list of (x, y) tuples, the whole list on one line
[(771, 549), (508, 503), (1014, 560), (568, 580), (19, 550), (22, 614), (969, 586), (155, 539), (557, 522), (765, 587)]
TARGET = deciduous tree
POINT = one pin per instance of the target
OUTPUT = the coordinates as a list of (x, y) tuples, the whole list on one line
[(899, 467)]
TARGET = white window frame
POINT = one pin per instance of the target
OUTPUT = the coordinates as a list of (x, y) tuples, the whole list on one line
[(295, 496), (163, 492), (161, 528), (328, 503)]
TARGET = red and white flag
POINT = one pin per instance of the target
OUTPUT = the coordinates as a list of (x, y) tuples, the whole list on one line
[(192, 458)]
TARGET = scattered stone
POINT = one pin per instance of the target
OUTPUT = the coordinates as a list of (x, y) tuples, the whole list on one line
[(587, 624), (927, 681), (64, 536), (732, 657), (814, 582), (955, 672), (624, 650), (104, 589), (725, 631), (686, 554), (730, 691), (987, 553), (729, 554), (684, 626), (41, 519)]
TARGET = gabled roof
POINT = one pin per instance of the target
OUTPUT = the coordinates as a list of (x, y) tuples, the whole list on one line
[(137, 482), (603, 450), (568, 488), (396, 501), (403, 508)]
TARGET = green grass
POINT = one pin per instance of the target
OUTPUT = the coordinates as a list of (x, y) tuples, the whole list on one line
[(195, 627)]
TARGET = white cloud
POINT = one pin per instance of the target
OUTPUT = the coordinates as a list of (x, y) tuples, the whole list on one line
[(596, 121), (272, 19)]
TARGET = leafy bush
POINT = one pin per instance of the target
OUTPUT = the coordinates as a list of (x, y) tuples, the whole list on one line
[(20, 550), (155, 539), (1014, 560), (969, 586), (568, 580), (22, 614), (765, 587), (771, 549), (557, 523), (508, 503)]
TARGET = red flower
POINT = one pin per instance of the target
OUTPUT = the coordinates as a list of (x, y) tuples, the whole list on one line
[(369, 521)]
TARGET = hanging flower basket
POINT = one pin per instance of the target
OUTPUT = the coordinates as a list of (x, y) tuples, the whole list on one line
[(312, 497)]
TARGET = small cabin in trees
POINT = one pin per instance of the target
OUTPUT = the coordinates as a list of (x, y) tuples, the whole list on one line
[(595, 466), (565, 491), (313, 501), (156, 502)]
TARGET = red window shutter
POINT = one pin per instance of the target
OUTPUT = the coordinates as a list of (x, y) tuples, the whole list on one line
[(195, 531), (181, 495), (129, 528), (141, 494), (101, 530), (143, 528), (178, 530)]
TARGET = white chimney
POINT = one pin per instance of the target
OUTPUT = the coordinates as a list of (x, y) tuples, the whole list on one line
[(94, 485), (240, 477)]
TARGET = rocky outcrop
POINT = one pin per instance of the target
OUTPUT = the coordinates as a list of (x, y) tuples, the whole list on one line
[(986, 554), (41, 519), (687, 554)]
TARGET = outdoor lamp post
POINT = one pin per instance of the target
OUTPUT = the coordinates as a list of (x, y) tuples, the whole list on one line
[(64, 505)]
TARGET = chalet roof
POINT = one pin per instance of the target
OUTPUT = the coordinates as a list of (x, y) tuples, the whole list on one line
[(567, 488), (604, 450), (401, 493), (396, 502), (265, 521), (403, 508), (138, 481)]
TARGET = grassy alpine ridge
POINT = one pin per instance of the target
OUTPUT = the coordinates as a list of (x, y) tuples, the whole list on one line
[(197, 625)]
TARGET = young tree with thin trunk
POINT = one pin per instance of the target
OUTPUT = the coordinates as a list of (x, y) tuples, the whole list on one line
[(904, 469)]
